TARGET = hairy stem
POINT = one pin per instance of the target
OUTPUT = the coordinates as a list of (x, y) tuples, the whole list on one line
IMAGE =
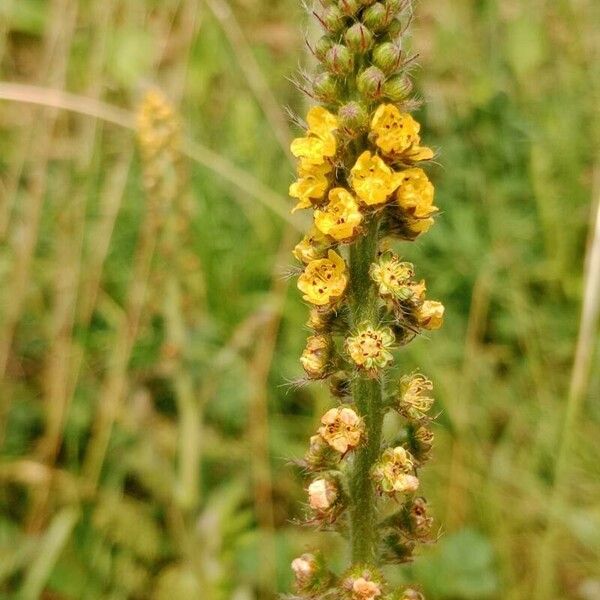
[(367, 393)]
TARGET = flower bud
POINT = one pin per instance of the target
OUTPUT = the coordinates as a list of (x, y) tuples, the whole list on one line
[(395, 6), (394, 29), (315, 358), (339, 60), (319, 320), (376, 17), (349, 7), (322, 494), (388, 56), (410, 594), (353, 117), (339, 384), (323, 45), (359, 38), (397, 88), (325, 88), (320, 454), (305, 569), (332, 19), (431, 315), (370, 82)]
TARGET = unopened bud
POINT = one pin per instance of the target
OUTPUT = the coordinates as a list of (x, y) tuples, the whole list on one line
[(370, 82), (397, 88), (359, 38), (410, 594), (333, 19), (325, 88), (394, 29), (388, 56), (322, 494), (323, 45), (349, 7), (339, 60), (395, 6), (339, 384), (315, 358), (353, 116), (377, 17), (304, 568)]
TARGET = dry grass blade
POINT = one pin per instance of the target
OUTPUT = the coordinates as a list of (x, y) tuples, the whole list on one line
[(123, 118), (253, 73)]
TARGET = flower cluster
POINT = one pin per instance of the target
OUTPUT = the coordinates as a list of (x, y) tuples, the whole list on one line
[(360, 173)]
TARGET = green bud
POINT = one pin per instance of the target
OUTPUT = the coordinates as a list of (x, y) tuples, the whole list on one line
[(370, 82), (322, 46), (359, 38), (353, 116), (395, 6), (325, 88), (349, 7), (394, 29), (397, 88), (339, 60), (333, 19), (377, 17), (388, 56)]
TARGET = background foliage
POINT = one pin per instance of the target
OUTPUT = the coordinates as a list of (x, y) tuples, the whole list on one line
[(105, 416)]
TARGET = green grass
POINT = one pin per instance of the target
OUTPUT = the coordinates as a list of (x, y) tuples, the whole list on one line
[(511, 92)]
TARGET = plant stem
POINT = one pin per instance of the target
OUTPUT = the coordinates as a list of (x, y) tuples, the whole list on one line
[(367, 393)]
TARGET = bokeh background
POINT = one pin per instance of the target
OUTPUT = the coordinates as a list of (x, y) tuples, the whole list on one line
[(148, 409)]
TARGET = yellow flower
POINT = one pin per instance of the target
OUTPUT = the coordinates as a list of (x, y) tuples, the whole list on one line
[(342, 429), (314, 245), (311, 185), (315, 358), (394, 472), (397, 134), (320, 142), (363, 589), (415, 401), (341, 217), (324, 280), (415, 194), (372, 180), (321, 122), (369, 348), (392, 276), (431, 315), (413, 228)]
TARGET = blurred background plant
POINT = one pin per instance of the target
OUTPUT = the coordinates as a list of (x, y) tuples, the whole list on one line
[(146, 347)]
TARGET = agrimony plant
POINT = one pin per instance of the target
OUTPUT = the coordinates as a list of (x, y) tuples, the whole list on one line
[(360, 171)]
